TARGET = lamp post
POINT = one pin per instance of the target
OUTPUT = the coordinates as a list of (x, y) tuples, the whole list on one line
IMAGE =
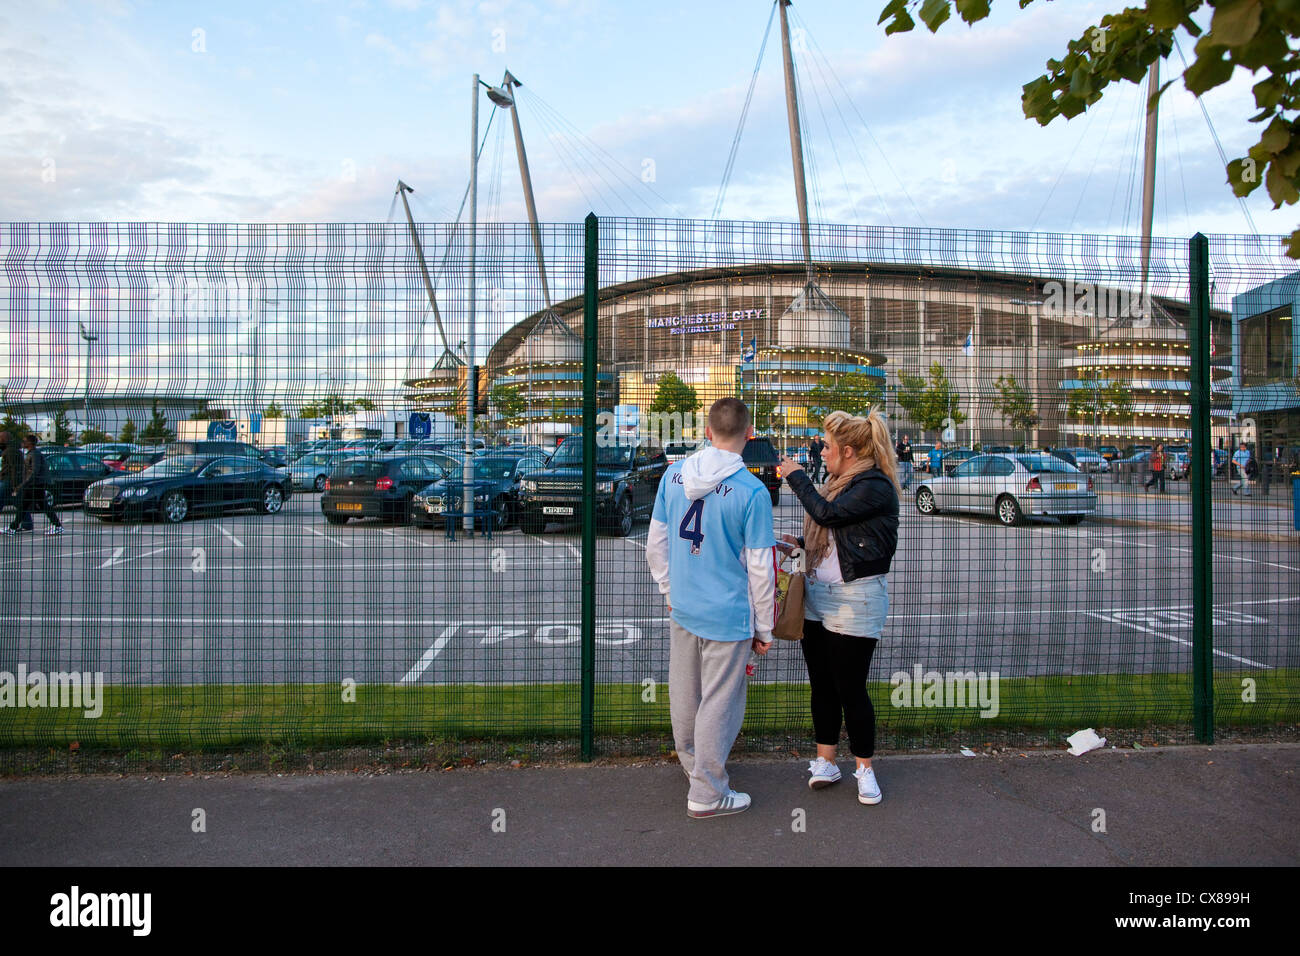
[(86, 337)]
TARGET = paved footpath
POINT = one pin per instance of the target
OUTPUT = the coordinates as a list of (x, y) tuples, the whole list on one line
[(1233, 805)]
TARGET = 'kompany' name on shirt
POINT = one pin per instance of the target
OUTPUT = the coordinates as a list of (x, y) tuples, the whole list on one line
[(722, 489)]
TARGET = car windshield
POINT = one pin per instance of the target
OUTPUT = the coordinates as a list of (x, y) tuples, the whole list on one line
[(494, 468), (570, 454), (182, 465), (1039, 464), (759, 451), (145, 458)]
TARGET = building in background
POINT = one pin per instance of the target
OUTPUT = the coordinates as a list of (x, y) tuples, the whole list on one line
[(1266, 368)]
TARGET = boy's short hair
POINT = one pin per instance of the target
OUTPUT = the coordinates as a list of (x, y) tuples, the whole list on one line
[(728, 418), (31, 437)]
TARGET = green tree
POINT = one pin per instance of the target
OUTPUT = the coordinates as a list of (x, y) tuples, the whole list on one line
[(1251, 34), (90, 436), (157, 432), (16, 427), (273, 411), (1016, 405), (765, 411), (1100, 401), (360, 405), (674, 395), (507, 400), (202, 413), (62, 427), (854, 393), (127, 433), (928, 402)]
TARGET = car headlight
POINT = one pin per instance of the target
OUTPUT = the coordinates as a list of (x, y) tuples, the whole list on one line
[(604, 487), (455, 502), (139, 492), (528, 485)]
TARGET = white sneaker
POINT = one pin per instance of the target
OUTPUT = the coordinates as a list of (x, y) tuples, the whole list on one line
[(868, 789), (824, 773), (54, 529), (733, 802)]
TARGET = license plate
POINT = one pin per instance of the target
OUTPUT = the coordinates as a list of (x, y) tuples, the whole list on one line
[(1066, 486), (755, 471), (554, 510), (346, 506), (435, 507)]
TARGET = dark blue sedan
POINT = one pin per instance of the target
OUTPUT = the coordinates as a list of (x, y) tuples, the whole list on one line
[(497, 482), (176, 488)]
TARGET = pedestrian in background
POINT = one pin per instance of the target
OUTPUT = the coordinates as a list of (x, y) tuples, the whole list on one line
[(11, 475), (1241, 462), (903, 451), (31, 492), (1157, 476), (711, 551), (849, 538), (815, 457)]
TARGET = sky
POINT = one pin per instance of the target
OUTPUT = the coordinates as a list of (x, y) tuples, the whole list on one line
[(311, 111)]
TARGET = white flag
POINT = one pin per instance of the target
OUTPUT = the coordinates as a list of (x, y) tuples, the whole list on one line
[(969, 347)]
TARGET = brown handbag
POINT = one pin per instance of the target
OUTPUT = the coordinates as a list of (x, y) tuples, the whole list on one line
[(789, 606)]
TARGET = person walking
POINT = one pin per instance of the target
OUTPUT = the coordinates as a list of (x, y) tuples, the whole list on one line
[(11, 475), (31, 492), (1241, 462), (903, 451), (712, 553), (849, 538), (1157, 476), (815, 457)]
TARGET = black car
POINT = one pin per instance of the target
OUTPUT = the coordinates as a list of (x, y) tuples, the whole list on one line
[(140, 460), (627, 480), (180, 486), (496, 483), (761, 458), (373, 487), (69, 474)]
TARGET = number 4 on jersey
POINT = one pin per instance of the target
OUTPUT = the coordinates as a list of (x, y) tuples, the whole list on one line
[(690, 526)]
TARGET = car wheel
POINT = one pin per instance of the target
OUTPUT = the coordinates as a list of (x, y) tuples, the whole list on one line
[(318, 484), (531, 523), (1071, 519), (1008, 511), (272, 500), (175, 507), (925, 502), (49, 499), (621, 524), (337, 519)]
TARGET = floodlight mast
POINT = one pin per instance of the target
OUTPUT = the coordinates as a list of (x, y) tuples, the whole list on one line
[(796, 140), (504, 97), (402, 190)]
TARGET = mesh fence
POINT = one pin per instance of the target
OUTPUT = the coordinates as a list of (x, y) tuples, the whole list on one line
[(329, 576)]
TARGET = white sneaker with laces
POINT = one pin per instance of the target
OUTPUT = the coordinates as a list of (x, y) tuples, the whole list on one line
[(733, 802), (823, 773), (54, 529), (868, 790)]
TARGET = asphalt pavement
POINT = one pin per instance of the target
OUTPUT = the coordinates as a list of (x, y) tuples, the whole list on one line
[(1235, 805)]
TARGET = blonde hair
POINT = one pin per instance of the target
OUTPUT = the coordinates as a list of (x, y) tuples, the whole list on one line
[(868, 436)]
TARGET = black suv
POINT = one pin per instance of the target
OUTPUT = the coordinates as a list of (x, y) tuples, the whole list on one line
[(761, 458), (627, 480)]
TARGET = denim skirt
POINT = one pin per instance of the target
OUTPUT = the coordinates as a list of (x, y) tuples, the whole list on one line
[(857, 608)]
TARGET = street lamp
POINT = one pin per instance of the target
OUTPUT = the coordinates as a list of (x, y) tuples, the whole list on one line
[(87, 338)]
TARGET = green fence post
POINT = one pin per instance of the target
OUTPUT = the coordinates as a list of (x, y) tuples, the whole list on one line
[(1202, 496), (591, 280)]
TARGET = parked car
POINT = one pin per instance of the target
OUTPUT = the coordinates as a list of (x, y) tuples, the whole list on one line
[(996, 450), (496, 487), (1010, 487), (1178, 465), (115, 455), (627, 480), (676, 451), (1132, 450), (1109, 452), (180, 486), (372, 487), (761, 458), (70, 473), (140, 460), (950, 458), (921, 457), (312, 469), (1085, 459)]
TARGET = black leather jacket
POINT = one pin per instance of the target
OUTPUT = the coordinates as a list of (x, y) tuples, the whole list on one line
[(863, 518)]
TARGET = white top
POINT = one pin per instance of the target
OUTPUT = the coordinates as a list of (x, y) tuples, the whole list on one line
[(828, 572)]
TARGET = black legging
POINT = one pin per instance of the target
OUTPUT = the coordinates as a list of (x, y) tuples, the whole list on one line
[(837, 676), (29, 500)]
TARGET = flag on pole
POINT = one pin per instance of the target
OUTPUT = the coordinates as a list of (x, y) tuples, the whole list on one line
[(969, 347), (748, 352)]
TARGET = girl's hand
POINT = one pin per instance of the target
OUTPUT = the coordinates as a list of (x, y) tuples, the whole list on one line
[(787, 467)]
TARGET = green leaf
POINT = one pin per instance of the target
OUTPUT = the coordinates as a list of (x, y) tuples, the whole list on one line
[(972, 11), (1281, 189), (1267, 48), (1209, 70), (934, 12), (1269, 92), (1288, 162), (1166, 14), (1240, 186), (1276, 137), (892, 9), (902, 23), (1293, 245), (1235, 22)]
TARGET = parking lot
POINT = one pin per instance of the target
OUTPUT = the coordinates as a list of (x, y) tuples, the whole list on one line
[(247, 598)]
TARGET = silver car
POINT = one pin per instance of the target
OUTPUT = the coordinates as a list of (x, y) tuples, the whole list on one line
[(311, 470), (1010, 487), (1088, 460)]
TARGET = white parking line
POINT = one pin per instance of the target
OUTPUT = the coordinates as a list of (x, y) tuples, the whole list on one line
[(637, 543), (549, 544), (116, 554), (328, 538), (428, 656), (1169, 637), (117, 558), (231, 537), (574, 550), (46, 555)]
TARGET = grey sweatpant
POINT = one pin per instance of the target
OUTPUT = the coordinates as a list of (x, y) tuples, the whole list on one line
[(706, 696)]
